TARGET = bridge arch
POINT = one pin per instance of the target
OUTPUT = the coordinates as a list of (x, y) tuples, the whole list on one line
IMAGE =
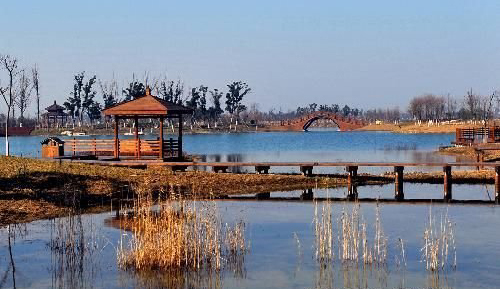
[(310, 121), (303, 122)]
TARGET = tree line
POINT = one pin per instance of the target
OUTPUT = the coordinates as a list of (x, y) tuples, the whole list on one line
[(206, 103), (471, 106)]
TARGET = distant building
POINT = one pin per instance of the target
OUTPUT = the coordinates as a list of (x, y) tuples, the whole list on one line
[(55, 116)]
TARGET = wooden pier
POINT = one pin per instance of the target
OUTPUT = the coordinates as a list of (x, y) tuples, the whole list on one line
[(307, 169)]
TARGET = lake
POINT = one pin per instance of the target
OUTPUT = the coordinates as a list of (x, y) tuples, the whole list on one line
[(313, 146), (281, 234), (281, 238)]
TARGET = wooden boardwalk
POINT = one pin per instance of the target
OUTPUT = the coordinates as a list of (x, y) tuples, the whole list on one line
[(306, 168)]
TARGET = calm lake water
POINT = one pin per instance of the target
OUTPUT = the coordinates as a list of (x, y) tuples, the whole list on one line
[(275, 260), (317, 145)]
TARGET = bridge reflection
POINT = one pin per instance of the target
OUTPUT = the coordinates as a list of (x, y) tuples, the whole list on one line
[(350, 195)]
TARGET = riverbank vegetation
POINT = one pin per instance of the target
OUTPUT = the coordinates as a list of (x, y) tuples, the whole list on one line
[(32, 189), (178, 234)]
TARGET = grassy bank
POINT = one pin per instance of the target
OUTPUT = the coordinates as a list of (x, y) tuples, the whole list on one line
[(34, 189)]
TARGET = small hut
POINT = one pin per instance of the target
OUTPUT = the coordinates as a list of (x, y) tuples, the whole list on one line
[(148, 106)]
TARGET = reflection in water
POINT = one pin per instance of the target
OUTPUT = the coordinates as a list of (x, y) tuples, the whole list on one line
[(13, 231), (175, 279), (75, 247), (279, 258)]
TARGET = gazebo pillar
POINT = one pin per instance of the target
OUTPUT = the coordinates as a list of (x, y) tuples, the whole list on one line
[(179, 139), (161, 138), (137, 141), (117, 142)]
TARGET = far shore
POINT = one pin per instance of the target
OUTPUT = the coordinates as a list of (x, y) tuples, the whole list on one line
[(412, 127), (402, 127)]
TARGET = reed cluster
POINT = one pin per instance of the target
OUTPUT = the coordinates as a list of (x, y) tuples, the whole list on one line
[(323, 232), (354, 245), (178, 234), (439, 248)]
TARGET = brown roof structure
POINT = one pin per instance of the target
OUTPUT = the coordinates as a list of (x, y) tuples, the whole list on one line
[(55, 108), (147, 106)]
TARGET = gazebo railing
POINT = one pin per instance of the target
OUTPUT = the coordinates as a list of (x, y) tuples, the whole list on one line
[(94, 146), (127, 147)]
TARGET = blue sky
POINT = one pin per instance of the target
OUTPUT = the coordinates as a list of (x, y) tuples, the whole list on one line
[(362, 53)]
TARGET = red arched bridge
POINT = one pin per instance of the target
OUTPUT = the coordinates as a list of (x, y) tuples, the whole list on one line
[(305, 121)]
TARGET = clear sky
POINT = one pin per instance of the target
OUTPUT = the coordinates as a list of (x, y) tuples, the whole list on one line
[(362, 53)]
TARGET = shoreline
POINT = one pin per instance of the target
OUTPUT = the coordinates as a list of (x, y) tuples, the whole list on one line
[(412, 128), (33, 189)]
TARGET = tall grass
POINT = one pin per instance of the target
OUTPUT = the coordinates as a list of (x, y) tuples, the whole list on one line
[(178, 234), (439, 248), (323, 232), (354, 244)]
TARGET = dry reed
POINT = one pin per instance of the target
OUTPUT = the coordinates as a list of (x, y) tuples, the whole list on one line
[(439, 244), (353, 242), (179, 234), (323, 232)]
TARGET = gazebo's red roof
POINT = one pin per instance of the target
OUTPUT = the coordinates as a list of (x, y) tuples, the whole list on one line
[(147, 106)]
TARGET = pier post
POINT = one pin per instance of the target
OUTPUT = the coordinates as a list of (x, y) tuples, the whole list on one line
[(497, 184), (307, 195), (398, 183), (447, 182), (179, 168), (222, 169), (306, 170), (262, 169), (263, 196), (352, 191), (352, 172)]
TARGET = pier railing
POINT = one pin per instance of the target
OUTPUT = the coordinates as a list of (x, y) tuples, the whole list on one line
[(471, 136), (127, 147)]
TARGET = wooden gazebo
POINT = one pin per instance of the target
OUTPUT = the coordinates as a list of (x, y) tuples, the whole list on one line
[(55, 114), (148, 106)]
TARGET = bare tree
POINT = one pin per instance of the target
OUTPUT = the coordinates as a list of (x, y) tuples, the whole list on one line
[(427, 106), (471, 103), (109, 92), (36, 86), (451, 107), (23, 97), (9, 63)]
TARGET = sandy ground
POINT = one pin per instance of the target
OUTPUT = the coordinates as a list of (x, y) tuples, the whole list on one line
[(469, 153), (410, 127)]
